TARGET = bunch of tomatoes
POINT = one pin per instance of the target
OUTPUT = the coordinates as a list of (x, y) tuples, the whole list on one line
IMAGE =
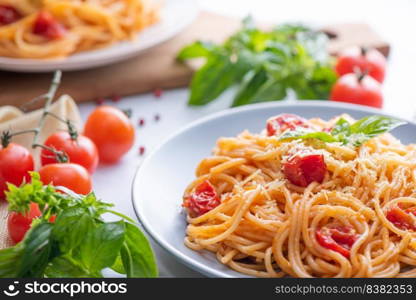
[(108, 135), (361, 72)]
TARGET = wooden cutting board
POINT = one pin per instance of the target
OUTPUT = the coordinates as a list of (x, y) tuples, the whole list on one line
[(157, 68)]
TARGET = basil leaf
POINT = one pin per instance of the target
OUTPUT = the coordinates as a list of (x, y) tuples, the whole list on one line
[(137, 255), (118, 265), (375, 125), (64, 267), (37, 251), (341, 127), (101, 246), (71, 228), (196, 50), (250, 88), (218, 74), (9, 260), (323, 136)]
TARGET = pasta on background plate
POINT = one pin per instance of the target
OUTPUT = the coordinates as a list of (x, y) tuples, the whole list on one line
[(58, 28), (308, 198)]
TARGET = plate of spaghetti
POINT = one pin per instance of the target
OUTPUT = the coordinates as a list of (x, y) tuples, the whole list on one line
[(310, 189), (45, 35)]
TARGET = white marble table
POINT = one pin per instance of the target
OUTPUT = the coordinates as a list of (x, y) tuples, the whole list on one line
[(393, 19)]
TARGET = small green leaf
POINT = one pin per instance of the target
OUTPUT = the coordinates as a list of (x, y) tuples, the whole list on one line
[(137, 255), (118, 265), (196, 50), (294, 134), (9, 260)]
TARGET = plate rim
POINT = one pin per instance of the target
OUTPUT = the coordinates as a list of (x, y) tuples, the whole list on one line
[(30, 65), (181, 257)]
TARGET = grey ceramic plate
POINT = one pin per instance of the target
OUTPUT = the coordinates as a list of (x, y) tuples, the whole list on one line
[(163, 176)]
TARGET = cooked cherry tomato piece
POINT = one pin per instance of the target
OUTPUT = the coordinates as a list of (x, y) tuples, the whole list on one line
[(371, 61), (301, 169), (283, 122), (357, 89), (8, 15), (15, 164), (81, 150), (19, 224), (339, 239), (47, 26), (401, 218), (203, 199), (72, 176)]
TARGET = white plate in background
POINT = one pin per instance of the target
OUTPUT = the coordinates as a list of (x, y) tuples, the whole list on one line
[(176, 15)]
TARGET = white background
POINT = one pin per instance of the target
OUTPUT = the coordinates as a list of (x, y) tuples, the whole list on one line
[(394, 20)]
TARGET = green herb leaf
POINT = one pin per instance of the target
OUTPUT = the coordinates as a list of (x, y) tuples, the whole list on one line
[(196, 50), (354, 135), (101, 246), (9, 259), (137, 255), (64, 267), (37, 251)]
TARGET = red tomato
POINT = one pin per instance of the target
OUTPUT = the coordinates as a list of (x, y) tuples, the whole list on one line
[(401, 218), (371, 61), (111, 131), (203, 199), (354, 89), (15, 164), (339, 239), (283, 122), (301, 170), (8, 15), (81, 151), (47, 26), (69, 175), (19, 224)]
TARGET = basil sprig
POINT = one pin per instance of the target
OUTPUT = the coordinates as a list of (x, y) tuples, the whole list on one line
[(80, 243), (262, 65), (348, 134)]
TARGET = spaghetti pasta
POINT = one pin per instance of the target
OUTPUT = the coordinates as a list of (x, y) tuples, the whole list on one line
[(45, 29), (358, 220)]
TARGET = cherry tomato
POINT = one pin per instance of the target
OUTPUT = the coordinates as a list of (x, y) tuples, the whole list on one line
[(401, 218), (111, 131), (47, 26), (339, 239), (19, 224), (356, 89), (203, 199), (69, 175), (15, 164), (283, 122), (301, 169), (81, 151), (8, 15), (371, 61)]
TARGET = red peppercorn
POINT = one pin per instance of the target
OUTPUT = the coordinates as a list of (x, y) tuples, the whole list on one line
[(158, 93), (157, 117), (115, 98), (142, 149), (141, 122), (99, 101)]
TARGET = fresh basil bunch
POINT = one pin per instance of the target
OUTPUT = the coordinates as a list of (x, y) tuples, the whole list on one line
[(79, 243), (264, 65)]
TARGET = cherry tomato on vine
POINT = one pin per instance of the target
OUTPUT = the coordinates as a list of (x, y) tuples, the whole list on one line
[(370, 61), (358, 89), (15, 164), (18, 224), (111, 131), (81, 150), (69, 175)]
